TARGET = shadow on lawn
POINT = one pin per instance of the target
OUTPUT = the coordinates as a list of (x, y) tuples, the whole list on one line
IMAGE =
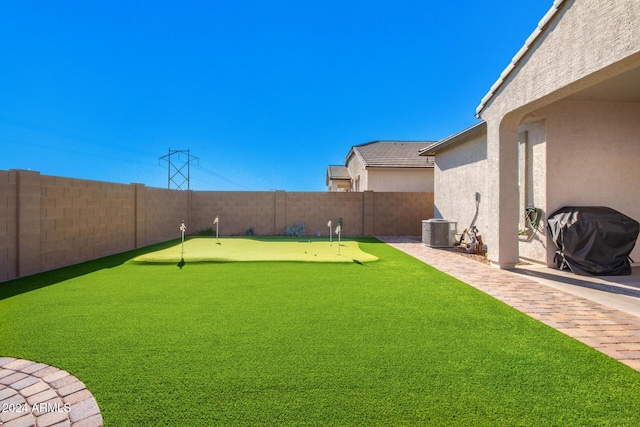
[(47, 278)]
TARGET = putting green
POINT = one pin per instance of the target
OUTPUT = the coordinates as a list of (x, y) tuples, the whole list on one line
[(209, 249)]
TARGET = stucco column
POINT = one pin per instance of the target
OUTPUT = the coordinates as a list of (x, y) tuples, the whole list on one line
[(502, 195)]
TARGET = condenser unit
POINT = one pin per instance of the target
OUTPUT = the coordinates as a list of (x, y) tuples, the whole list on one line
[(438, 233)]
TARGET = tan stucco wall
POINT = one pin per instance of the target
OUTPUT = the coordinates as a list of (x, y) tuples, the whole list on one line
[(400, 179), (460, 172)]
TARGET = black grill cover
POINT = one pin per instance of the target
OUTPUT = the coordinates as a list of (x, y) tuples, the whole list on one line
[(593, 240)]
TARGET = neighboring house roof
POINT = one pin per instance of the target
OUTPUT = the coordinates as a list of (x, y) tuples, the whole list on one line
[(391, 154), (338, 172), (450, 140), (546, 19)]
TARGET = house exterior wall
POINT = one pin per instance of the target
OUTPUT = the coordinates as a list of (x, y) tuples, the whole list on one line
[(459, 174), (49, 222), (533, 188), (584, 38), (592, 157), (400, 179), (584, 43)]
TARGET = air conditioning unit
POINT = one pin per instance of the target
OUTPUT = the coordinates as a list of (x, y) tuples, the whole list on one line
[(438, 233)]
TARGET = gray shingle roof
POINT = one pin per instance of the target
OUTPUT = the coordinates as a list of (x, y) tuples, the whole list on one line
[(338, 172), (392, 154)]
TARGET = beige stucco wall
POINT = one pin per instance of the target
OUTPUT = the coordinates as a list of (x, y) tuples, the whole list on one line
[(459, 174), (400, 179)]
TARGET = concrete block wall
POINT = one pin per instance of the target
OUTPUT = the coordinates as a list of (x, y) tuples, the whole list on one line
[(316, 209), (8, 232), (270, 213), (160, 213), (49, 222), (81, 220), (401, 214), (237, 212)]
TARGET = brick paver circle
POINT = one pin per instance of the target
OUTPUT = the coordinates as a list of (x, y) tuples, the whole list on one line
[(36, 394)]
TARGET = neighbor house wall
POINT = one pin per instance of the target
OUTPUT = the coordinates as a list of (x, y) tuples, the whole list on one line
[(339, 185), (400, 179), (48, 222), (358, 174), (460, 171)]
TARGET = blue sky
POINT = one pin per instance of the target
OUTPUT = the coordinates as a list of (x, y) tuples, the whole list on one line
[(265, 93)]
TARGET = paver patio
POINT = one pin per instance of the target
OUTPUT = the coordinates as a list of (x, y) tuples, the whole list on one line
[(610, 331)]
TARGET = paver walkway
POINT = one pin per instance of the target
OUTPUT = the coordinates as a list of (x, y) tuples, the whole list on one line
[(36, 394), (614, 333)]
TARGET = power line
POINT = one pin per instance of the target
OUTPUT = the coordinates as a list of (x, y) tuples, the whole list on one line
[(59, 133), (217, 175), (71, 151)]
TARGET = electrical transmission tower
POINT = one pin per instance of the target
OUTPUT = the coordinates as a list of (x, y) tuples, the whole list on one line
[(177, 160)]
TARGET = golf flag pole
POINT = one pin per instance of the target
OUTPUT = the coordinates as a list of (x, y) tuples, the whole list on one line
[(330, 234), (339, 233), (215, 221), (183, 228)]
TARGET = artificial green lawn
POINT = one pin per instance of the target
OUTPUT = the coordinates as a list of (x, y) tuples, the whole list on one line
[(392, 342)]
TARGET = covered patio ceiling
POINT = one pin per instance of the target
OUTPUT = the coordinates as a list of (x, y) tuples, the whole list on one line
[(622, 88)]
